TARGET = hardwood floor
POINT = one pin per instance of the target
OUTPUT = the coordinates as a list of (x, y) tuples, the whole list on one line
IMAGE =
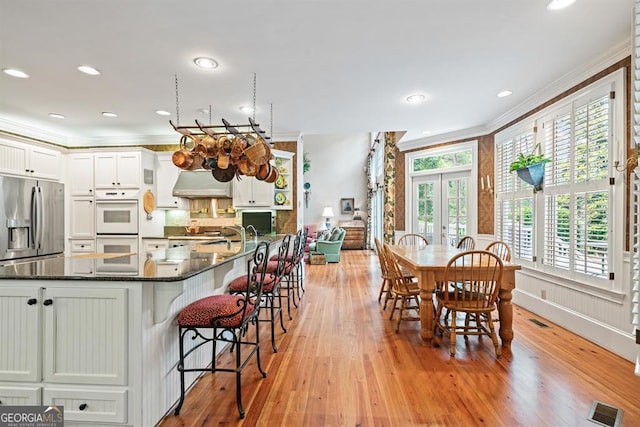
[(341, 364)]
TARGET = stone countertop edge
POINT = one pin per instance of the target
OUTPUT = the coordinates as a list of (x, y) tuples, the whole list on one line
[(124, 278)]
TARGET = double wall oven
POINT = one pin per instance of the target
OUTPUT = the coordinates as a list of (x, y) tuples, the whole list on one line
[(117, 215)]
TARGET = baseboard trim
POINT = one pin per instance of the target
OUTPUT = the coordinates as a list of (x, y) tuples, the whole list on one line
[(614, 340)]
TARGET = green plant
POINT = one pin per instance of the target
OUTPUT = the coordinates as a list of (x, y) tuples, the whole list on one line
[(525, 160)]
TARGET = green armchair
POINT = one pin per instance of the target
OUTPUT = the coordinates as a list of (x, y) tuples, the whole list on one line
[(329, 244)]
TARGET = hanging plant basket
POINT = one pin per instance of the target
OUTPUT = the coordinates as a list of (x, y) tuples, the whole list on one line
[(530, 168), (532, 175)]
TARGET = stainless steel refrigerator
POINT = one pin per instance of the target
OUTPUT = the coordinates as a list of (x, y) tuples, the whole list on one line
[(31, 218)]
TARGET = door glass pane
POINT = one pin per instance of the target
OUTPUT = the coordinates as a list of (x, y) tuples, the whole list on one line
[(425, 209), (457, 193)]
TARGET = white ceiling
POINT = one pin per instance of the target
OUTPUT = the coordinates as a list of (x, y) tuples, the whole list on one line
[(327, 66)]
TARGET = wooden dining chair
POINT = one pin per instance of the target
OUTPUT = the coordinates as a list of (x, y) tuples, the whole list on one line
[(501, 249), (413, 239), (471, 284), (404, 289), (466, 244)]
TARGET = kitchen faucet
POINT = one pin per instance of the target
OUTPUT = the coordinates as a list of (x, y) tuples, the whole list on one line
[(255, 232), (238, 228)]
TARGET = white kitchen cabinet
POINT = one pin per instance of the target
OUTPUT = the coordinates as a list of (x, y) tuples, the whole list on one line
[(34, 161), (19, 395), (80, 174), (82, 217), (64, 335), (167, 175), (78, 263), (68, 346), (250, 192), (90, 351), (23, 305), (117, 170)]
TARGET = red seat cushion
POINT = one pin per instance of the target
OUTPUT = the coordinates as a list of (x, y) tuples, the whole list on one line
[(217, 310), (275, 257), (272, 267), (239, 284)]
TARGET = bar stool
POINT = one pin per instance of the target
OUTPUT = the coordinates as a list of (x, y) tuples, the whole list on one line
[(292, 280), (271, 296), (228, 317)]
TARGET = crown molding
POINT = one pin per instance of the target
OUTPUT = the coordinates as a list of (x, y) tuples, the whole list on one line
[(29, 132), (430, 141)]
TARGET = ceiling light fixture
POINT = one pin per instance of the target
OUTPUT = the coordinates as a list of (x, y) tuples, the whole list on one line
[(426, 132), (559, 4), (204, 62), (504, 93), (15, 73), (56, 115), (246, 109), (109, 114), (414, 99), (163, 113), (87, 69)]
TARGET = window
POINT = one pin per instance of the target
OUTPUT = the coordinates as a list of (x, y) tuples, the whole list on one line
[(565, 229)]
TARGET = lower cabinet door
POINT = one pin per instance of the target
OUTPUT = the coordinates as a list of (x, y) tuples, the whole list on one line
[(19, 395), (85, 336), (89, 405)]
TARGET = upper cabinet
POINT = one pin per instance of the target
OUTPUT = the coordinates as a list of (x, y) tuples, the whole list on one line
[(167, 174), (117, 170), (250, 192), (80, 171), (34, 161)]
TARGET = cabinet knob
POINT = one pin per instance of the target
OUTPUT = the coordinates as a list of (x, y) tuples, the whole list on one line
[(82, 406), (90, 190), (32, 171), (113, 183), (32, 301), (48, 302), (90, 201), (118, 183)]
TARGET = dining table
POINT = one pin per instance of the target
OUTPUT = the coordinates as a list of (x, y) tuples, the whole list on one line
[(428, 264)]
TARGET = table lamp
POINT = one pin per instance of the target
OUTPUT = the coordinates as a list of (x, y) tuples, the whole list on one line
[(327, 213)]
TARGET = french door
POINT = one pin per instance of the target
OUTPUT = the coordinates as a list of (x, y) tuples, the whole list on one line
[(440, 208)]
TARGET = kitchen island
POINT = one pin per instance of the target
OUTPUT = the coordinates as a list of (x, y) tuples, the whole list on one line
[(105, 346)]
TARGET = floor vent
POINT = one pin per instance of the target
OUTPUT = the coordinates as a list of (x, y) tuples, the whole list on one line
[(605, 415), (539, 323)]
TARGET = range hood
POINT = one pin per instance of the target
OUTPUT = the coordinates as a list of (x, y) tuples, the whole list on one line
[(200, 184)]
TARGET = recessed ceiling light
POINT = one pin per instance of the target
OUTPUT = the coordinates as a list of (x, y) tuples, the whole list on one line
[(204, 62), (414, 99), (88, 70), (426, 132), (504, 93), (163, 113), (203, 111), (246, 109), (15, 73), (56, 115), (559, 4), (109, 114)]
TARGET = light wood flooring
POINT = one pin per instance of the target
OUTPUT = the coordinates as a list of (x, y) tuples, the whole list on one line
[(342, 364)]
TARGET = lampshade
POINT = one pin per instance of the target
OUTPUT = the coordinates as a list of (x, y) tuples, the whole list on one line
[(327, 212)]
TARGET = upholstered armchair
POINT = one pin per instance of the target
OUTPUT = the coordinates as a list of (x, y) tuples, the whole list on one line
[(329, 244)]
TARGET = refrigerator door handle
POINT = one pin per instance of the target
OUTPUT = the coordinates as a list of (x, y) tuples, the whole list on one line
[(41, 217), (34, 218)]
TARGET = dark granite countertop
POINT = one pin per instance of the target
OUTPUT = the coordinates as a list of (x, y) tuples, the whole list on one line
[(182, 262)]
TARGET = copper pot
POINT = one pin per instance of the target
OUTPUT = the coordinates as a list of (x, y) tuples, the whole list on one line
[(207, 147), (187, 160), (273, 175), (263, 171)]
